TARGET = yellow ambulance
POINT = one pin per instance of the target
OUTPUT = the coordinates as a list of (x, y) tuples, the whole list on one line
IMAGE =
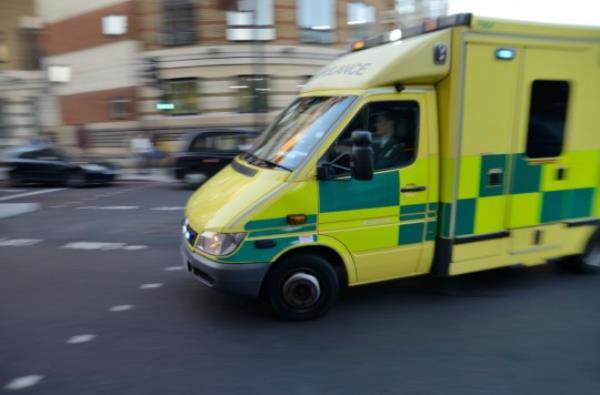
[(468, 144)]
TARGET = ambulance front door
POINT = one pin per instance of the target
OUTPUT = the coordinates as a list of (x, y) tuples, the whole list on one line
[(385, 222)]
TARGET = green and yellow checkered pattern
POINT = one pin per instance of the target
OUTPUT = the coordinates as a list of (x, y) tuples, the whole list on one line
[(532, 192)]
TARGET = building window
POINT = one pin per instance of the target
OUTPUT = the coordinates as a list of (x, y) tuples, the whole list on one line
[(114, 25), (547, 118), (253, 93), (179, 23), (120, 108), (250, 23), (183, 95), (316, 20), (58, 73), (405, 6), (361, 17)]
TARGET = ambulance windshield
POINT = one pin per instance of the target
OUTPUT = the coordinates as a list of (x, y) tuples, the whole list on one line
[(297, 131)]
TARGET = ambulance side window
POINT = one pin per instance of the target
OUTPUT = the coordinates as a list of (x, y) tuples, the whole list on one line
[(394, 127), (547, 118)]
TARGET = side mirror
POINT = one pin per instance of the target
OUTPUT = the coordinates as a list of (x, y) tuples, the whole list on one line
[(362, 156), (324, 172)]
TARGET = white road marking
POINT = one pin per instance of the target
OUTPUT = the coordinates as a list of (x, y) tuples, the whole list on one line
[(18, 242), (108, 207), (151, 286), (121, 307), (93, 245), (80, 339), (13, 209), (23, 382), (173, 268), (96, 245), (135, 247), (168, 208), (15, 190), (20, 195)]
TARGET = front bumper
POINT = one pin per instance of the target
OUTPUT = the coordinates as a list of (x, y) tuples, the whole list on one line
[(238, 278)]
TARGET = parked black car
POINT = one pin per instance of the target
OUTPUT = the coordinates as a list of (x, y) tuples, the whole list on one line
[(46, 164), (203, 153)]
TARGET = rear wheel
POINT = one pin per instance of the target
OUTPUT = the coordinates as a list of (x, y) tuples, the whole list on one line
[(301, 287), (589, 261)]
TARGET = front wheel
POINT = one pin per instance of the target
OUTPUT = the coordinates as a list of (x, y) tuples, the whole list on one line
[(301, 287)]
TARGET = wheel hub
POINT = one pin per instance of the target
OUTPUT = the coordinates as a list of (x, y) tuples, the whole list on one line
[(301, 290), (593, 258)]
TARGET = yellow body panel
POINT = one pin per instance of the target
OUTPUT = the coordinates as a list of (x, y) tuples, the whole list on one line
[(227, 195)]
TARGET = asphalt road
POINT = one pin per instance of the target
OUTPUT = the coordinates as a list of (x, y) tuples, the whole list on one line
[(70, 258)]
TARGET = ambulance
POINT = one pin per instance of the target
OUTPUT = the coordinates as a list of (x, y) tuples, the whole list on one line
[(468, 144)]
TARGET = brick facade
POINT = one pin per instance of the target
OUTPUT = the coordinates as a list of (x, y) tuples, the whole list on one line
[(211, 22), (95, 107), (85, 31)]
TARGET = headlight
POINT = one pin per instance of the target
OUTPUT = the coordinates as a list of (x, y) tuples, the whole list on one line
[(219, 243)]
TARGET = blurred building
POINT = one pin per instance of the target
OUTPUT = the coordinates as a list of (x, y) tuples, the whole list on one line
[(91, 50), (26, 103), (240, 67), (220, 63), (412, 12), (167, 66)]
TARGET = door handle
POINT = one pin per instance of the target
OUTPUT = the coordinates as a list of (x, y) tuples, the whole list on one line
[(413, 188)]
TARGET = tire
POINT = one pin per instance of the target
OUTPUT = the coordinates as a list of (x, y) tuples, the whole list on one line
[(589, 261), (193, 180), (75, 179), (301, 287)]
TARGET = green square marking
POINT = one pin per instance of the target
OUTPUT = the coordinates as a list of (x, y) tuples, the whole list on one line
[(490, 163), (431, 230), (411, 233), (465, 216), (445, 211), (578, 203), (552, 206), (526, 178), (412, 209), (350, 194)]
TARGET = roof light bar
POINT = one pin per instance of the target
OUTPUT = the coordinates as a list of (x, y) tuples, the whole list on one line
[(427, 26)]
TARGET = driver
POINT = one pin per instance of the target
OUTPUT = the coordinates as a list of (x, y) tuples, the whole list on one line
[(388, 145)]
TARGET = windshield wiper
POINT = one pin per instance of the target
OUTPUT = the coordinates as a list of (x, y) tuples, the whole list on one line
[(267, 162)]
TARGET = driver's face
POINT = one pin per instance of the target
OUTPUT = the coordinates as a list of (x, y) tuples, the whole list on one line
[(384, 125)]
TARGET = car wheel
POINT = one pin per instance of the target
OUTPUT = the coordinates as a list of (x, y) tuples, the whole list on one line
[(589, 261), (75, 180), (301, 287), (194, 179)]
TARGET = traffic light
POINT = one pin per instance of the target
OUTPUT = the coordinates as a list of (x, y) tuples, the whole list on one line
[(151, 73)]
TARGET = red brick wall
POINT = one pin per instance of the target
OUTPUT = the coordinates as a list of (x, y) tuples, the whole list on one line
[(85, 30), (91, 107)]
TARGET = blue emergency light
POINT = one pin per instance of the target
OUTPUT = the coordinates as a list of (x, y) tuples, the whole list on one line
[(505, 53)]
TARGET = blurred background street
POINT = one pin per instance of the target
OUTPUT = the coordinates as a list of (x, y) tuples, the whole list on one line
[(130, 96)]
